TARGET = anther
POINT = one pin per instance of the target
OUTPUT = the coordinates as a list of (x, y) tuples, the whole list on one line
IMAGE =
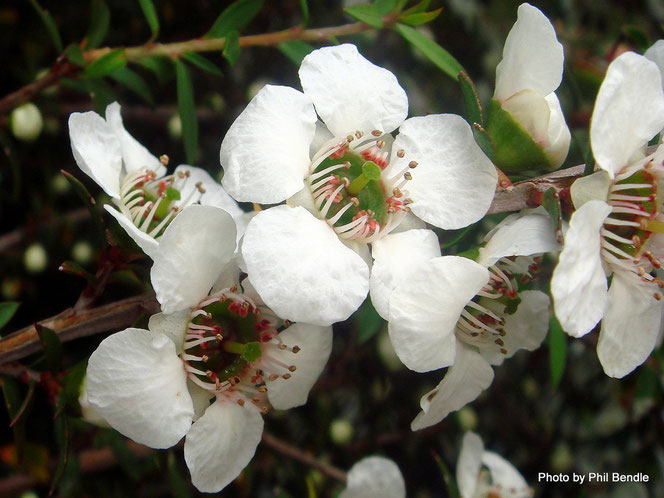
[(359, 134), (286, 376), (219, 337), (200, 188), (407, 175), (204, 358), (376, 133), (657, 296), (292, 368), (273, 377), (163, 159), (355, 201), (401, 153), (296, 349), (240, 402), (264, 410), (282, 346), (262, 389), (412, 164), (380, 144)]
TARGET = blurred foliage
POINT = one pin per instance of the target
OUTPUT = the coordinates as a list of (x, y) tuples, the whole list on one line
[(537, 414)]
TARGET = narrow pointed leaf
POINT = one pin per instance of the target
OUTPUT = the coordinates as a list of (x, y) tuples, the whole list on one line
[(26, 401), (63, 440), (75, 269), (385, 6), (75, 55), (450, 482), (107, 64), (235, 17), (368, 322), (52, 347), (483, 140), (160, 66), (202, 63), (100, 20), (101, 93), (48, 21), (557, 351), (366, 13), (134, 82), (12, 396), (187, 109), (7, 311), (420, 17), (151, 16), (474, 111), (434, 52), (420, 7), (551, 202), (232, 47), (304, 7), (295, 50), (87, 199)]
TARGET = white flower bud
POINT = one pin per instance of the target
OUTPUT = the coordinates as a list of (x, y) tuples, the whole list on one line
[(341, 431), (35, 258), (26, 122)]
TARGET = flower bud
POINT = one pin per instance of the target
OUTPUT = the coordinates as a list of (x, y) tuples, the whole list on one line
[(26, 122), (35, 258)]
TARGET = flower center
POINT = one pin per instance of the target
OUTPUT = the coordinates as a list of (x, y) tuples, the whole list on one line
[(229, 348), (350, 189), (149, 201), (631, 223)]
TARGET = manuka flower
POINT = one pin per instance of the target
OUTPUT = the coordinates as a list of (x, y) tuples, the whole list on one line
[(451, 311), (485, 474), (147, 199), (216, 357), (617, 227), (374, 476), (526, 78), (346, 186)]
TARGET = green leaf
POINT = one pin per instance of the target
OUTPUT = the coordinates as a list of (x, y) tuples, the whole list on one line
[(366, 13), (235, 17), (514, 148), (401, 4), (151, 16), (202, 63), (160, 66), (118, 445), (304, 7), (50, 25), (295, 50), (420, 17), (434, 52), (26, 401), (416, 9), (134, 82), (367, 321), (106, 64), (75, 55), (72, 384), (88, 201), (7, 311), (75, 269), (648, 384), (12, 395), (52, 347), (551, 202), (637, 36), (101, 93), (232, 47), (63, 441), (100, 20), (557, 351), (385, 6), (178, 484), (450, 483), (474, 111), (483, 140), (187, 109)]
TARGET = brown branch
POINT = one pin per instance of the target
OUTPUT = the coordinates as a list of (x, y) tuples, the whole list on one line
[(297, 454), (71, 324)]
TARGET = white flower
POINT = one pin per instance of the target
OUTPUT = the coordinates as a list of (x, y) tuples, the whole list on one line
[(485, 474), (617, 227), (374, 476), (222, 345), (310, 262), (526, 79), (136, 180), (450, 311)]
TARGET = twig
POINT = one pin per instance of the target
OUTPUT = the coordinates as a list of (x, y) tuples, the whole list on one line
[(299, 455)]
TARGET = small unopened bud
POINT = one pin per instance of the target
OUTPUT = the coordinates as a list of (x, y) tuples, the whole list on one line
[(82, 252), (26, 122), (175, 126), (35, 258), (341, 431)]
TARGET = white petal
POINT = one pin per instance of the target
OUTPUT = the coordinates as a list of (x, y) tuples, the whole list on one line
[(134, 155), (578, 285), (148, 244), (505, 475), (228, 277), (136, 381), (520, 236), (265, 154), (200, 399), (193, 251), (531, 110), (173, 326), (315, 346), (350, 93), (96, 150), (629, 111), (630, 326), (525, 329), (590, 187), (469, 464), (656, 54), (374, 476), (221, 443), (464, 382), (532, 56), (454, 182), (558, 133), (395, 257), (88, 413), (300, 267), (425, 308)]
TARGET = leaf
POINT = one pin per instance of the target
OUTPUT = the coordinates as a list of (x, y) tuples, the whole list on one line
[(557, 351), (71, 390), (75, 269), (123, 455), (420, 17), (7, 311), (202, 63), (88, 201), (50, 25), (63, 440), (75, 55), (385, 6), (106, 64), (232, 47), (134, 82), (450, 484), (177, 482), (551, 202), (420, 7), (434, 52), (100, 20), (24, 405), (304, 7), (474, 111), (151, 16), (483, 140), (295, 50), (52, 347), (160, 66), (12, 395), (187, 109), (648, 384), (235, 17), (101, 93), (368, 322), (366, 13)]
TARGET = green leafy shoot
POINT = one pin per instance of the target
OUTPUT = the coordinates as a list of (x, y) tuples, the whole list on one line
[(161, 67), (107, 64), (432, 51), (474, 111), (385, 6), (366, 13), (417, 9), (304, 7), (75, 55), (187, 109), (420, 17), (48, 21), (52, 347), (7, 311), (235, 17), (100, 20), (295, 50), (232, 47), (151, 16), (134, 82), (203, 63)]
